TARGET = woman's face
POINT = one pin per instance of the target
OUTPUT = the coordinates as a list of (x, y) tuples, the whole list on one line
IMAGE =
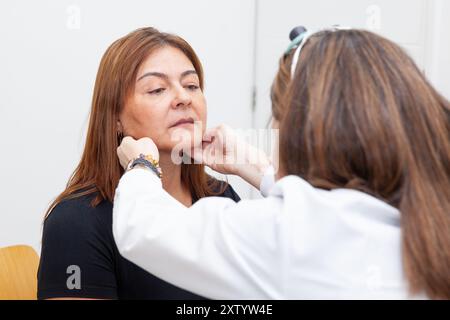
[(167, 102)]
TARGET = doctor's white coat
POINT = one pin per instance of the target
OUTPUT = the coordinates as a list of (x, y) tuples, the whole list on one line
[(298, 243)]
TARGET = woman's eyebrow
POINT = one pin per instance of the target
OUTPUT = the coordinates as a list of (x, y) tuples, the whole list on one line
[(165, 76), (188, 72), (154, 74)]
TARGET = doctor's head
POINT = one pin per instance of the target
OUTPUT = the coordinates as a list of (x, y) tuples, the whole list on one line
[(359, 114)]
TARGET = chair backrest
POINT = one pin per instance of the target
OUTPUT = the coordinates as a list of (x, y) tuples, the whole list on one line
[(18, 273)]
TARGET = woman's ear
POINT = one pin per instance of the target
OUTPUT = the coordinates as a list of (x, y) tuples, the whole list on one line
[(119, 130), (119, 127)]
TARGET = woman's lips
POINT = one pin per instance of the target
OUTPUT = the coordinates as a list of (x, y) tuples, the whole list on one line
[(183, 122)]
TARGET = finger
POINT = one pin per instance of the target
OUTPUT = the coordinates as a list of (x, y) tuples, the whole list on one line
[(210, 134), (197, 155), (122, 158), (128, 145), (146, 141), (127, 140), (209, 155)]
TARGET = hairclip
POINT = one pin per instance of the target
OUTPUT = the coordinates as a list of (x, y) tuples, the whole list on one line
[(296, 36), (303, 40)]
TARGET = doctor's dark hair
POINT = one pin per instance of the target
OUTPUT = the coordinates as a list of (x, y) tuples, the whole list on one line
[(361, 115), (99, 170)]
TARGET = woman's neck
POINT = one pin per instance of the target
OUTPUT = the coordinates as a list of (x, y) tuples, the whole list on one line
[(171, 180)]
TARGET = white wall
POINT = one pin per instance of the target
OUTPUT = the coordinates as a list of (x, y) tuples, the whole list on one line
[(420, 26), (437, 57), (48, 65)]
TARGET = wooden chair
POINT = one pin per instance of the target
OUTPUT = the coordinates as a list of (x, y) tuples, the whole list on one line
[(18, 273)]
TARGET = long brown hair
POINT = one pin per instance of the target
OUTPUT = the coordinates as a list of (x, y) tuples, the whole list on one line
[(280, 85), (361, 115), (99, 170)]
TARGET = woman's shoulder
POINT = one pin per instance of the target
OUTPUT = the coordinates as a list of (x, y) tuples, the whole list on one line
[(78, 234), (79, 213)]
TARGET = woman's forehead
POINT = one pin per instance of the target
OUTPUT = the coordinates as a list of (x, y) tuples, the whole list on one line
[(166, 60)]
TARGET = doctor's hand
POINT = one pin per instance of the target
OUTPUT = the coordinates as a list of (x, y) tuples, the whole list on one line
[(225, 152), (130, 149)]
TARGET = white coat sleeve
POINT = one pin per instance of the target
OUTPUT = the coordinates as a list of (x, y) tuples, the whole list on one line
[(217, 248), (267, 181)]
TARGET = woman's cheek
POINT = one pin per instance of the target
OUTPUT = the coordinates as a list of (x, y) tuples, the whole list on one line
[(201, 109), (199, 130), (164, 139)]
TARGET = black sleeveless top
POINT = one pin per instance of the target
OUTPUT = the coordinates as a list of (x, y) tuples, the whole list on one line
[(78, 242)]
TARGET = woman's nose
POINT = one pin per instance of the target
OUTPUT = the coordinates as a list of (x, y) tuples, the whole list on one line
[(182, 98)]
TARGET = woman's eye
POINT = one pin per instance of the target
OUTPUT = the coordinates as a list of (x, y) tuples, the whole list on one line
[(192, 87), (157, 91)]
